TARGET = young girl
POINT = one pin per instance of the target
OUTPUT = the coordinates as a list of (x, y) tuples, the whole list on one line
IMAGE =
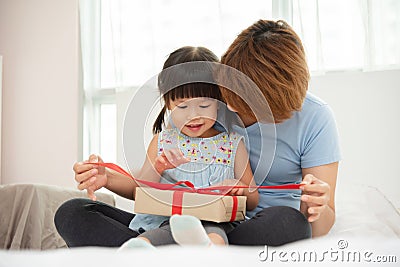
[(191, 149)]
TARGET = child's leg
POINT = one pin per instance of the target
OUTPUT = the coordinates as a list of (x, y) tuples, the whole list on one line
[(138, 242), (152, 238), (216, 239), (188, 230), (83, 222), (161, 236)]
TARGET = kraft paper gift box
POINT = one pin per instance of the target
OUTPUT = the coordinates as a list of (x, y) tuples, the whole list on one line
[(208, 207)]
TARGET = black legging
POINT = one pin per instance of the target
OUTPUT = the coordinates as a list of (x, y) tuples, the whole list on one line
[(83, 222)]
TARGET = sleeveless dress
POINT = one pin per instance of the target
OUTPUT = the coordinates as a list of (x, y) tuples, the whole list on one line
[(211, 161)]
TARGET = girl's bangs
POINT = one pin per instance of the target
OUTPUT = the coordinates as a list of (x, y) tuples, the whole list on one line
[(192, 90)]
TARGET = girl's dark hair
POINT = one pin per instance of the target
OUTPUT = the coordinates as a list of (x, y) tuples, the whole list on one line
[(189, 90)]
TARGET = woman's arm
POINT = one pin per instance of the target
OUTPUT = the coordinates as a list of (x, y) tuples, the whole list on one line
[(243, 173), (318, 198)]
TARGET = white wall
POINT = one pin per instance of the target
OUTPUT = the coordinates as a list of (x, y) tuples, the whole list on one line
[(367, 110), (1, 101), (39, 44)]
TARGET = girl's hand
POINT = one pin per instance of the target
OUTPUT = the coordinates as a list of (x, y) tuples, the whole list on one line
[(315, 196), (169, 159), (232, 183), (90, 177)]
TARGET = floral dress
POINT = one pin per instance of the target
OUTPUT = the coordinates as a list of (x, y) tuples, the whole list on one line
[(211, 161)]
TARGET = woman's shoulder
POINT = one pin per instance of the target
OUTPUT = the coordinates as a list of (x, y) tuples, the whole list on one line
[(314, 115), (314, 106), (313, 101)]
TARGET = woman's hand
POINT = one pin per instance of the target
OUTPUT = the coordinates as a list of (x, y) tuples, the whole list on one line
[(90, 177), (315, 197), (169, 159)]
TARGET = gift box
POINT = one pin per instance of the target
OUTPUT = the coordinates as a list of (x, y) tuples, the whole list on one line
[(208, 207)]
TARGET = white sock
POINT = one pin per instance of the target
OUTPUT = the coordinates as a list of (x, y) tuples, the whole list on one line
[(188, 230), (136, 243)]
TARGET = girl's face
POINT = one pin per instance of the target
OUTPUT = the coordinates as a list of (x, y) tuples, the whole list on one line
[(195, 117)]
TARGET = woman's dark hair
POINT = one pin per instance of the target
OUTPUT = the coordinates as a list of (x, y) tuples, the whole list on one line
[(188, 90)]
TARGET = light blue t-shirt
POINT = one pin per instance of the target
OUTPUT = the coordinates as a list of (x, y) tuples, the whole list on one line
[(308, 139), (211, 161)]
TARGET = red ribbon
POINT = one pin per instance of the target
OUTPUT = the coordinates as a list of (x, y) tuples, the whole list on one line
[(177, 202), (177, 198), (212, 190), (234, 208)]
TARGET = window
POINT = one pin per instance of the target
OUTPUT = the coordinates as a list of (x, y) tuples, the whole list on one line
[(349, 34)]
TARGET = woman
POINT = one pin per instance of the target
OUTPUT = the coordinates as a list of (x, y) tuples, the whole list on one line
[(271, 54)]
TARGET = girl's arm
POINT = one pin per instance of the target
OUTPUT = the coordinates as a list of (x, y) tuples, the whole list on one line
[(318, 198), (152, 168), (120, 184), (92, 178), (126, 187), (154, 164), (149, 172), (243, 173)]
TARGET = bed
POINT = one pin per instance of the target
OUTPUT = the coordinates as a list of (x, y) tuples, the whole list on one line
[(27, 212), (367, 230)]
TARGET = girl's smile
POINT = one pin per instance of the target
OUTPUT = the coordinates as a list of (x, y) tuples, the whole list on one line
[(194, 127), (195, 117)]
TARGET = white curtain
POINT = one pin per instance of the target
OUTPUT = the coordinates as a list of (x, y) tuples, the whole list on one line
[(139, 35), (90, 32), (125, 42), (382, 23), (349, 34)]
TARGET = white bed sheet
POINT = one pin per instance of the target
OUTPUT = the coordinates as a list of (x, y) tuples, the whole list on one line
[(326, 251), (367, 230), (364, 211)]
